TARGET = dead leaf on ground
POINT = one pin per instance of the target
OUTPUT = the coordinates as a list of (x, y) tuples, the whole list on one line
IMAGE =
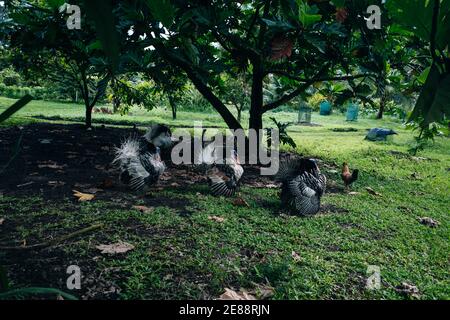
[(83, 196), (262, 291), (107, 183), (216, 218), (51, 166), (241, 202), (2, 220), (427, 221), (25, 184), (233, 295), (93, 190), (115, 248), (373, 192), (56, 183), (409, 290), (416, 176), (144, 209), (45, 141), (353, 193), (82, 185), (175, 184), (295, 256)]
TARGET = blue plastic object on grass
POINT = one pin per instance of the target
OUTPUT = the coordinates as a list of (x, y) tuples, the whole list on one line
[(325, 108), (352, 112)]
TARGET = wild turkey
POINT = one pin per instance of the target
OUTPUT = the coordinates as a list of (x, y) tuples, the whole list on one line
[(222, 171), (302, 186), (379, 134), (139, 158)]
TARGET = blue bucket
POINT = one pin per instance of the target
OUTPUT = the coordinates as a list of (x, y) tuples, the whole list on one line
[(352, 112), (325, 108)]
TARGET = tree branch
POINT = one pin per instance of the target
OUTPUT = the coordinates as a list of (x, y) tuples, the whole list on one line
[(307, 82), (201, 87), (434, 30)]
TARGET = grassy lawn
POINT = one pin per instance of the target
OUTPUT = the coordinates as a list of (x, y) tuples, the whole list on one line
[(181, 253)]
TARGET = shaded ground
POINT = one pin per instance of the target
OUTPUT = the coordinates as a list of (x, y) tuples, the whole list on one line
[(182, 251)]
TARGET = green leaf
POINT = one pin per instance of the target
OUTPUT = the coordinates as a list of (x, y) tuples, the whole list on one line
[(434, 99), (100, 11), (417, 17), (424, 75), (162, 10), (339, 3), (55, 4), (15, 107), (307, 14)]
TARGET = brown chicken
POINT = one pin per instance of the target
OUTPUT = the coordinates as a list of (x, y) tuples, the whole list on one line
[(347, 176)]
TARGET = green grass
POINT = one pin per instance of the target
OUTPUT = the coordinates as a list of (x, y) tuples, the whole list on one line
[(181, 255)]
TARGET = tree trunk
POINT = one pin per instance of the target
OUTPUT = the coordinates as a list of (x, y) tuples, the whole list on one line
[(239, 114), (89, 116), (116, 104), (382, 107), (256, 104), (173, 106)]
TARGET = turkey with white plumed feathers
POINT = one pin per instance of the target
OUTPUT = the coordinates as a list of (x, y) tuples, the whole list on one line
[(223, 171), (302, 185), (139, 158)]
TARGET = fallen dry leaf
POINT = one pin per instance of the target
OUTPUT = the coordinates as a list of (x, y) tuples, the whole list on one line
[(429, 222), (416, 176), (373, 192), (262, 291), (408, 290), (233, 295), (51, 166), (174, 184), (56, 183), (240, 202), (295, 256), (2, 220), (216, 218), (107, 183), (119, 247), (83, 196), (45, 141), (94, 190), (143, 209), (82, 185), (353, 193), (25, 184)]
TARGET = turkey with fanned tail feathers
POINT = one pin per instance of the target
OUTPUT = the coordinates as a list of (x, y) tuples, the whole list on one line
[(139, 158), (302, 185), (222, 171)]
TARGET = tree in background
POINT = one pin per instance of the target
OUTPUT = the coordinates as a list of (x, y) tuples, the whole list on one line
[(299, 42), (46, 49), (429, 21)]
